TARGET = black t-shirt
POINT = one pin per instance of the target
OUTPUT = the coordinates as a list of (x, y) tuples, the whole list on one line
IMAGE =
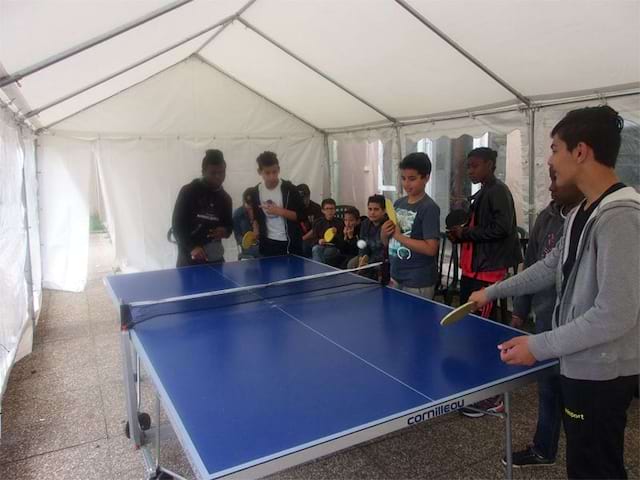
[(199, 209), (577, 227), (322, 225)]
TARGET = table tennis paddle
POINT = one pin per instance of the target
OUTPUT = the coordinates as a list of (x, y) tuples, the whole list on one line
[(249, 240), (329, 235), (458, 313), (457, 218), (391, 212)]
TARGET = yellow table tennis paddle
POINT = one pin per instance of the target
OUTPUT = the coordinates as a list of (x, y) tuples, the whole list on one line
[(249, 240), (329, 234), (458, 313), (391, 212)]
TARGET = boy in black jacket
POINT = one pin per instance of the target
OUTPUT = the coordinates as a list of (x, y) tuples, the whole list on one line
[(489, 240), (202, 215), (278, 210), (490, 243)]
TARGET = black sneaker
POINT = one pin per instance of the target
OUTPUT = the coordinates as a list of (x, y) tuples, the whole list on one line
[(492, 404), (529, 458)]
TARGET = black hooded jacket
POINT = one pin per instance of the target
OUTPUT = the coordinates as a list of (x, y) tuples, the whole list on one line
[(494, 234), (291, 200)]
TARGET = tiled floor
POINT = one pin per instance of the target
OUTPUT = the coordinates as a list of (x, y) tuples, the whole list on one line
[(63, 413)]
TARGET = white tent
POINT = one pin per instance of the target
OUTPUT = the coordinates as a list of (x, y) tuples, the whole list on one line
[(138, 90)]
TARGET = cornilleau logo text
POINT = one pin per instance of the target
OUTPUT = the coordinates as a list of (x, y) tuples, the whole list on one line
[(436, 412)]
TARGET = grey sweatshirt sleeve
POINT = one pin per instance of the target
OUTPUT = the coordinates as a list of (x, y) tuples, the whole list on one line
[(522, 303), (534, 279), (615, 308)]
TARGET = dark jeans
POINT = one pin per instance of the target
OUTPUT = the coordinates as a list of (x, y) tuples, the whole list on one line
[(545, 440), (594, 417), (273, 248), (469, 285)]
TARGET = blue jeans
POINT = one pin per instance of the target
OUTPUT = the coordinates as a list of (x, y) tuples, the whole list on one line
[(545, 440), (324, 253)]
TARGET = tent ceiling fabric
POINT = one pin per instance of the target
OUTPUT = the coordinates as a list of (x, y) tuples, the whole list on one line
[(162, 106), (375, 49)]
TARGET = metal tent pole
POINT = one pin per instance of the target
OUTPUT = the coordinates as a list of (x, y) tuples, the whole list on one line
[(462, 51), (213, 37), (532, 168), (126, 69), (275, 104), (315, 69), (25, 72)]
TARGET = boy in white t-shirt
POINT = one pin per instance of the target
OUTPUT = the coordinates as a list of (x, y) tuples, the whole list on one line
[(278, 210)]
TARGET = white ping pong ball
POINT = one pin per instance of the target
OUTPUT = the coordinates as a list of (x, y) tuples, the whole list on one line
[(361, 244)]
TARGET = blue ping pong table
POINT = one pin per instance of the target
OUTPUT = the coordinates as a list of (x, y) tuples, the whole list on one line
[(256, 385)]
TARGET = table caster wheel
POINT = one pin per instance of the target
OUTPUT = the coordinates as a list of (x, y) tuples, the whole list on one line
[(144, 419)]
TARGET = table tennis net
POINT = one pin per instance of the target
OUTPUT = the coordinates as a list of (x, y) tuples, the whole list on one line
[(325, 285)]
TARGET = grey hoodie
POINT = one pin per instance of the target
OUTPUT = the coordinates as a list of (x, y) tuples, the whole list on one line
[(595, 325)]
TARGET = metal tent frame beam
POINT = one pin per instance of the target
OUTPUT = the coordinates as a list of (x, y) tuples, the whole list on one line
[(19, 75), (213, 37), (84, 109), (422, 19), (315, 69), (255, 92), (128, 68)]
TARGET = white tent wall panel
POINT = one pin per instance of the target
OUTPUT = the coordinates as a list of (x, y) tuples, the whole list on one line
[(378, 50), (358, 173), (268, 70), (142, 177), (14, 318), (65, 168), (546, 47), (188, 99), (547, 118)]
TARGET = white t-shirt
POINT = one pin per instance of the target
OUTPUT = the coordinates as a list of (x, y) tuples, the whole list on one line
[(276, 227)]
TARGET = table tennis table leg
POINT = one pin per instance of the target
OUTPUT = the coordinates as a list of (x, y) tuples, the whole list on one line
[(157, 432), (130, 389), (508, 439)]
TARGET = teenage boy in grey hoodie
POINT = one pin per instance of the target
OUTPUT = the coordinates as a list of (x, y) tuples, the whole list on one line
[(595, 269), (545, 234)]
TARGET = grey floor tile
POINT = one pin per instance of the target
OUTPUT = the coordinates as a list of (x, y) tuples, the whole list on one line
[(137, 473), (105, 328), (354, 463), (123, 456), (314, 470), (83, 462), (40, 438), (72, 407), (49, 357), (172, 457), (44, 384), (425, 450), (107, 341), (59, 312), (48, 332)]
